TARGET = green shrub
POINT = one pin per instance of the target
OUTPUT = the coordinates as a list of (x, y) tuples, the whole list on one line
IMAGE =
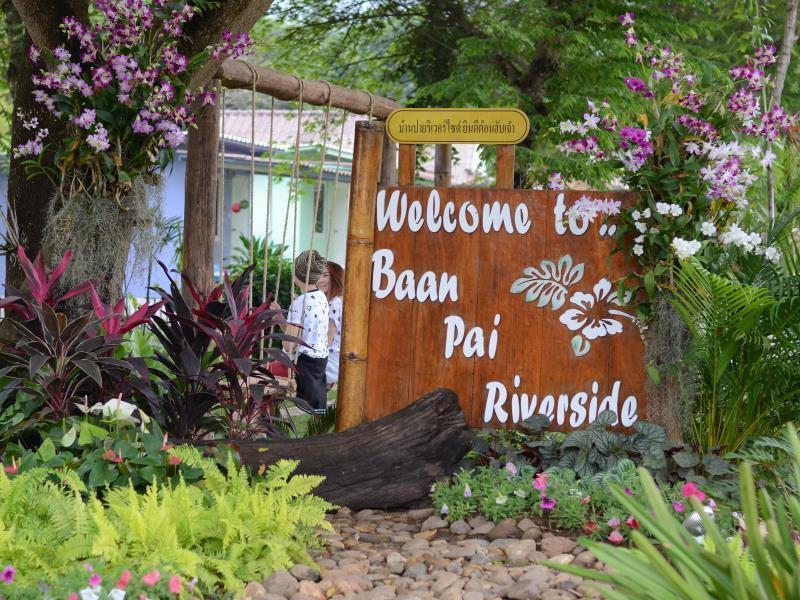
[(674, 565), (225, 532)]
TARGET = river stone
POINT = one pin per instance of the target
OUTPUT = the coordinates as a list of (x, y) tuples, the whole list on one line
[(517, 552), (460, 527), (433, 522), (532, 533), (473, 595), (396, 562), (254, 590), (566, 581), (304, 573), (555, 545), (563, 559), (420, 514), (416, 570), (507, 528), (585, 559), (483, 529), (282, 583), (444, 580), (524, 590), (526, 524), (541, 576)]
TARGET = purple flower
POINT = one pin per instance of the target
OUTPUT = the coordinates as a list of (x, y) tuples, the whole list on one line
[(99, 141), (635, 84), (678, 507), (467, 492), (62, 54), (699, 126), (627, 19), (511, 469), (556, 182), (7, 574), (628, 491), (34, 55), (444, 510), (546, 503), (101, 78), (86, 118), (142, 126), (208, 97), (95, 580), (613, 522), (691, 101), (766, 55), (630, 38)]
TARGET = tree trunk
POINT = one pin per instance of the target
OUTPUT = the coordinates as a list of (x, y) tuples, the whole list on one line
[(666, 340), (388, 463)]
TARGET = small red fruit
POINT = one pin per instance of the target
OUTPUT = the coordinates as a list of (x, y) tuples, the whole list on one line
[(236, 207)]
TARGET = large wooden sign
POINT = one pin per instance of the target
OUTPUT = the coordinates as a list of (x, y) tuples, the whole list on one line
[(502, 297), (458, 125)]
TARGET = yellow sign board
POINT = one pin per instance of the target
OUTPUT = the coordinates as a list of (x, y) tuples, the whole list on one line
[(458, 125)]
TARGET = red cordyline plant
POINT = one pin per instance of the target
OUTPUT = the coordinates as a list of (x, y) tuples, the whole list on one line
[(693, 149), (124, 93)]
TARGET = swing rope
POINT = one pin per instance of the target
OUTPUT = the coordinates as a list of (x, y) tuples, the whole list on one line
[(221, 187), (268, 216), (293, 181), (318, 191), (251, 210), (335, 183)]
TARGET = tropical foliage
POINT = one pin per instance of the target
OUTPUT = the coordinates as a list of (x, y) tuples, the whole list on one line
[(764, 564), (229, 531)]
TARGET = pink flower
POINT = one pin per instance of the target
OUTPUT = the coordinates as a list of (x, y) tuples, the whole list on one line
[(678, 507), (175, 584), (7, 574), (73, 596), (613, 522), (556, 182), (546, 503), (34, 54), (627, 19), (540, 483), (174, 460), (95, 580), (124, 579), (632, 522), (151, 578), (628, 491), (616, 537), (12, 468), (589, 527), (586, 499), (690, 490)]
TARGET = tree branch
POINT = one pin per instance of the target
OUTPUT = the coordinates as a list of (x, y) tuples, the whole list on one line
[(789, 39), (237, 16), (42, 18)]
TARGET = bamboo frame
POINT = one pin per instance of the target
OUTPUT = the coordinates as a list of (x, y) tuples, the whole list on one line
[(442, 165), (357, 291), (505, 167), (407, 165)]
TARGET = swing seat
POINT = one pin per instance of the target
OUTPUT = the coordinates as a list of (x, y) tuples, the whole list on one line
[(279, 369)]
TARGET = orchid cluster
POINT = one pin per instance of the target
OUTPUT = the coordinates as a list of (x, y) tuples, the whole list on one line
[(693, 156), (123, 91)]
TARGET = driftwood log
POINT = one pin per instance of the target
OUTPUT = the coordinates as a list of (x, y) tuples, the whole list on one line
[(382, 464)]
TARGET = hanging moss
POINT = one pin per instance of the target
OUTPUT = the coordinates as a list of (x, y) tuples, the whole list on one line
[(101, 231)]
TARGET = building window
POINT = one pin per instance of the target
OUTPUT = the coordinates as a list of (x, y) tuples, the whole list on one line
[(320, 225)]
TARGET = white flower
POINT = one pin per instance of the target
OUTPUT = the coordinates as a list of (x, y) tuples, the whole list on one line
[(662, 208), (675, 210), (115, 409), (769, 156), (692, 148), (568, 127), (638, 250), (584, 317), (654, 230), (685, 248), (116, 594), (90, 593), (636, 215), (639, 240), (646, 213), (708, 228), (641, 227), (590, 121), (773, 254)]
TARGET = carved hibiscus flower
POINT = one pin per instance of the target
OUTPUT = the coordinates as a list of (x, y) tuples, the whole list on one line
[(594, 315)]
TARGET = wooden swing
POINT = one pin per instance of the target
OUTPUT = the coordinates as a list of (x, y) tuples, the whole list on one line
[(386, 463)]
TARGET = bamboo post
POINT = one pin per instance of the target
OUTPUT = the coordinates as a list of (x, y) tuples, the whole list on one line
[(442, 162), (360, 241), (200, 200), (407, 165), (388, 163), (505, 167)]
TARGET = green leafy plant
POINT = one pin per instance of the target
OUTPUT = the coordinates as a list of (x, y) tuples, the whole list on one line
[(229, 531), (276, 261), (746, 349), (674, 565)]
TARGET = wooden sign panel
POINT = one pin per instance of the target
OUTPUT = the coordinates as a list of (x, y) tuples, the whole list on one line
[(498, 295), (458, 125)]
